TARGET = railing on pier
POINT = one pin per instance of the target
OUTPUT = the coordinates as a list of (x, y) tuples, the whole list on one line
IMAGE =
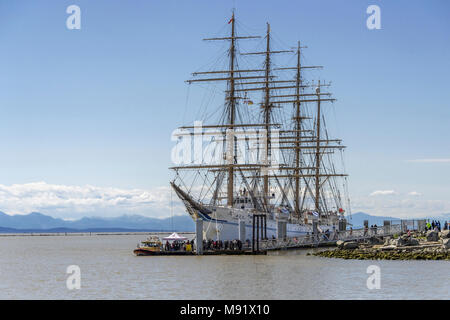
[(331, 237)]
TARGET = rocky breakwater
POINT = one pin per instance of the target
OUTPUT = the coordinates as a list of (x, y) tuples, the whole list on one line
[(431, 245)]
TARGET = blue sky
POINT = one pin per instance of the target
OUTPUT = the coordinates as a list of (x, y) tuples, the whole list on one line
[(96, 106)]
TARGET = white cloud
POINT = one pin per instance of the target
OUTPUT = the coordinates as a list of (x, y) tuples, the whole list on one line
[(383, 193), (441, 160), (400, 206), (73, 202)]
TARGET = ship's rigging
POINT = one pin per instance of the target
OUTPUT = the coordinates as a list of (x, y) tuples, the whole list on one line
[(242, 139)]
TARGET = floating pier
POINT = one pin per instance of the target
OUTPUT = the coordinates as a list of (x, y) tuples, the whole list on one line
[(260, 245), (138, 252)]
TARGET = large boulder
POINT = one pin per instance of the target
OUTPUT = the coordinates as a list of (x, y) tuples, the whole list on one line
[(413, 242), (375, 240), (404, 241), (445, 234), (446, 243), (350, 245), (409, 241), (399, 242), (432, 236)]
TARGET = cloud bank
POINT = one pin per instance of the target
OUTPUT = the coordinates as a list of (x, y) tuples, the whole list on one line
[(400, 204), (73, 202), (382, 193)]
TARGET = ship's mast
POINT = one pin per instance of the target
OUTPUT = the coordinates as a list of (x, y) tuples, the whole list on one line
[(298, 135), (298, 142), (267, 87), (317, 158), (231, 76), (232, 106), (298, 132), (267, 112)]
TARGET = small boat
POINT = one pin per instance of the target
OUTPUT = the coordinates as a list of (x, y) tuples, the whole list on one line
[(151, 246)]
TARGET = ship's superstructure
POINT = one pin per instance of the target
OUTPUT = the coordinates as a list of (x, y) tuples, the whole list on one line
[(265, 149)]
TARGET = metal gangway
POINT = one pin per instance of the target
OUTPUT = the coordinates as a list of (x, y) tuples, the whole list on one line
[(323, 238)]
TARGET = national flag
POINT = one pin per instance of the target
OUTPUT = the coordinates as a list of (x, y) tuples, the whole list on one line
[(341, 210)]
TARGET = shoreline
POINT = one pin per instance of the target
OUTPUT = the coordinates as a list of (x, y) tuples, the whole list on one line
[(400, 254), (83, 233), (431, 245)]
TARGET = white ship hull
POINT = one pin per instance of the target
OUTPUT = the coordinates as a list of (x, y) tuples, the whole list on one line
[(223, 224)]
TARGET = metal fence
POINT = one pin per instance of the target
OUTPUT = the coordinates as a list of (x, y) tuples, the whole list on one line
[(332, 237)]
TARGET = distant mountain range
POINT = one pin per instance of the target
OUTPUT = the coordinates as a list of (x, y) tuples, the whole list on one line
[(357, 219), (38, 222)]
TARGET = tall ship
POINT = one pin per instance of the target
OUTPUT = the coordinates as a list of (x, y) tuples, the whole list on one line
[(263, 148)]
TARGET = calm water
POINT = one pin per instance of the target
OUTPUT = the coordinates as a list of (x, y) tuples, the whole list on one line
[(35, 268)]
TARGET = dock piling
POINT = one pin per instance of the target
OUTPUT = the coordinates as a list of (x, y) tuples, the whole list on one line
[(199, 236), (253, 233), (257, 233), (315, 230), (387, 226), (259, 228), (242, 230), (265, 227)]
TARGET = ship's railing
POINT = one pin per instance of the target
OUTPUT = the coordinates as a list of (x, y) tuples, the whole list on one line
[(330, 237)]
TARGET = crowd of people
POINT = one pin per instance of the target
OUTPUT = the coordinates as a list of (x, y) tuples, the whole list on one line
[(179, 245), (224, 245), (212, 245), (436, 225)]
